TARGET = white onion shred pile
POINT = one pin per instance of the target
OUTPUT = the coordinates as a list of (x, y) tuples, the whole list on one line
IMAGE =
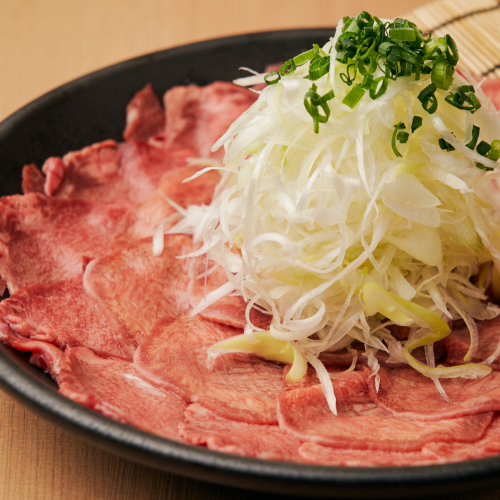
[(305, 220)]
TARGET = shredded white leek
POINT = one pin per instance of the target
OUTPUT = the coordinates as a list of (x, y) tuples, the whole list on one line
[(317, 217)]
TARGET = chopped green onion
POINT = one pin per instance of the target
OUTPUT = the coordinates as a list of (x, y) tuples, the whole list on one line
[(416, 123), (475, 136), (483, 148), (354, 96), (442, 75), (403, 137), (325, 98), (288, 67), (451, 46), (494, 151), (397, 128), (367, 81), (428, 99), (304, 57), (403, 34), (384, 83), (484, 167), (272, 78), (445, 146), (312, 101), (319, 68)]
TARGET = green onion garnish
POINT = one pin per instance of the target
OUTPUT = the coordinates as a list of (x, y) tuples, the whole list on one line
[(354, 96), (475, 136), (494, 151), (428, 99), (395, 136), (483, 148), (312, 101), (445, 146), (396, 50), (288, 67), (272, 78), (416, 123)]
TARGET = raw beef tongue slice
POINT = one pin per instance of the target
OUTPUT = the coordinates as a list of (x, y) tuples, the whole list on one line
[(109, 172), (229, 310), (44, 240), (44, 355), (113, 388), (145, 116), (33, 179), (403, 392), (197, 116), (458, 342), (142, 220), (360, 424), (65, 315), (138, 288), (202, 427), (238, 387), (314, 453), (457, 452)]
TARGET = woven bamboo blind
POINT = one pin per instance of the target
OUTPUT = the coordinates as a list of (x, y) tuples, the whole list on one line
[(473, 24)]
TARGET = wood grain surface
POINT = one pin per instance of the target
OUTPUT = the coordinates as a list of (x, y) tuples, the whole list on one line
[(44, 44)]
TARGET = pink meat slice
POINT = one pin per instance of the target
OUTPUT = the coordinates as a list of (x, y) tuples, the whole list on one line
[(405, 393), (360, 424), (229, 310), (145, 116), (314, 453), (46, 356), (45, 240), (491, 87), (33, 179), (203, 427), (65, 315), (456, 452), (197, 116), (458, 342), (237, 387), (113, 388), (138, 288), (109, 172), (142, 220)]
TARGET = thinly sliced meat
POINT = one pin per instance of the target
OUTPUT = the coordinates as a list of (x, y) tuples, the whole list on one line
[(33, 179), (44, 240), (44, 355), (229, 310), (110, 172), (458, 342), (145, 116), (491, 87), (113, 388), (458, 452), (65, 315), (201, 426), (403, 392), (314, 453), (238, 387), (142, 220), (360, 424), (138, 288), (197, 116)]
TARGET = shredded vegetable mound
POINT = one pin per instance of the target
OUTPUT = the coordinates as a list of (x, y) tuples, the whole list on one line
[(381, 214)]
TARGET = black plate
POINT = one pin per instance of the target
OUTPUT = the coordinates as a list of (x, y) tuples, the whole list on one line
[(91, 109)]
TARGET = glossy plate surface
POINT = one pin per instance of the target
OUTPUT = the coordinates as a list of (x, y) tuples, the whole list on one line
[(92, 109)]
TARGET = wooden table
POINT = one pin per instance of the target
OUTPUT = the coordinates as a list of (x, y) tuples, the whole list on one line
[(42, 45)]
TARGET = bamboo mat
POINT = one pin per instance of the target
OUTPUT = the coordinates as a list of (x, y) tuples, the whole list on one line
[(474, 25)]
